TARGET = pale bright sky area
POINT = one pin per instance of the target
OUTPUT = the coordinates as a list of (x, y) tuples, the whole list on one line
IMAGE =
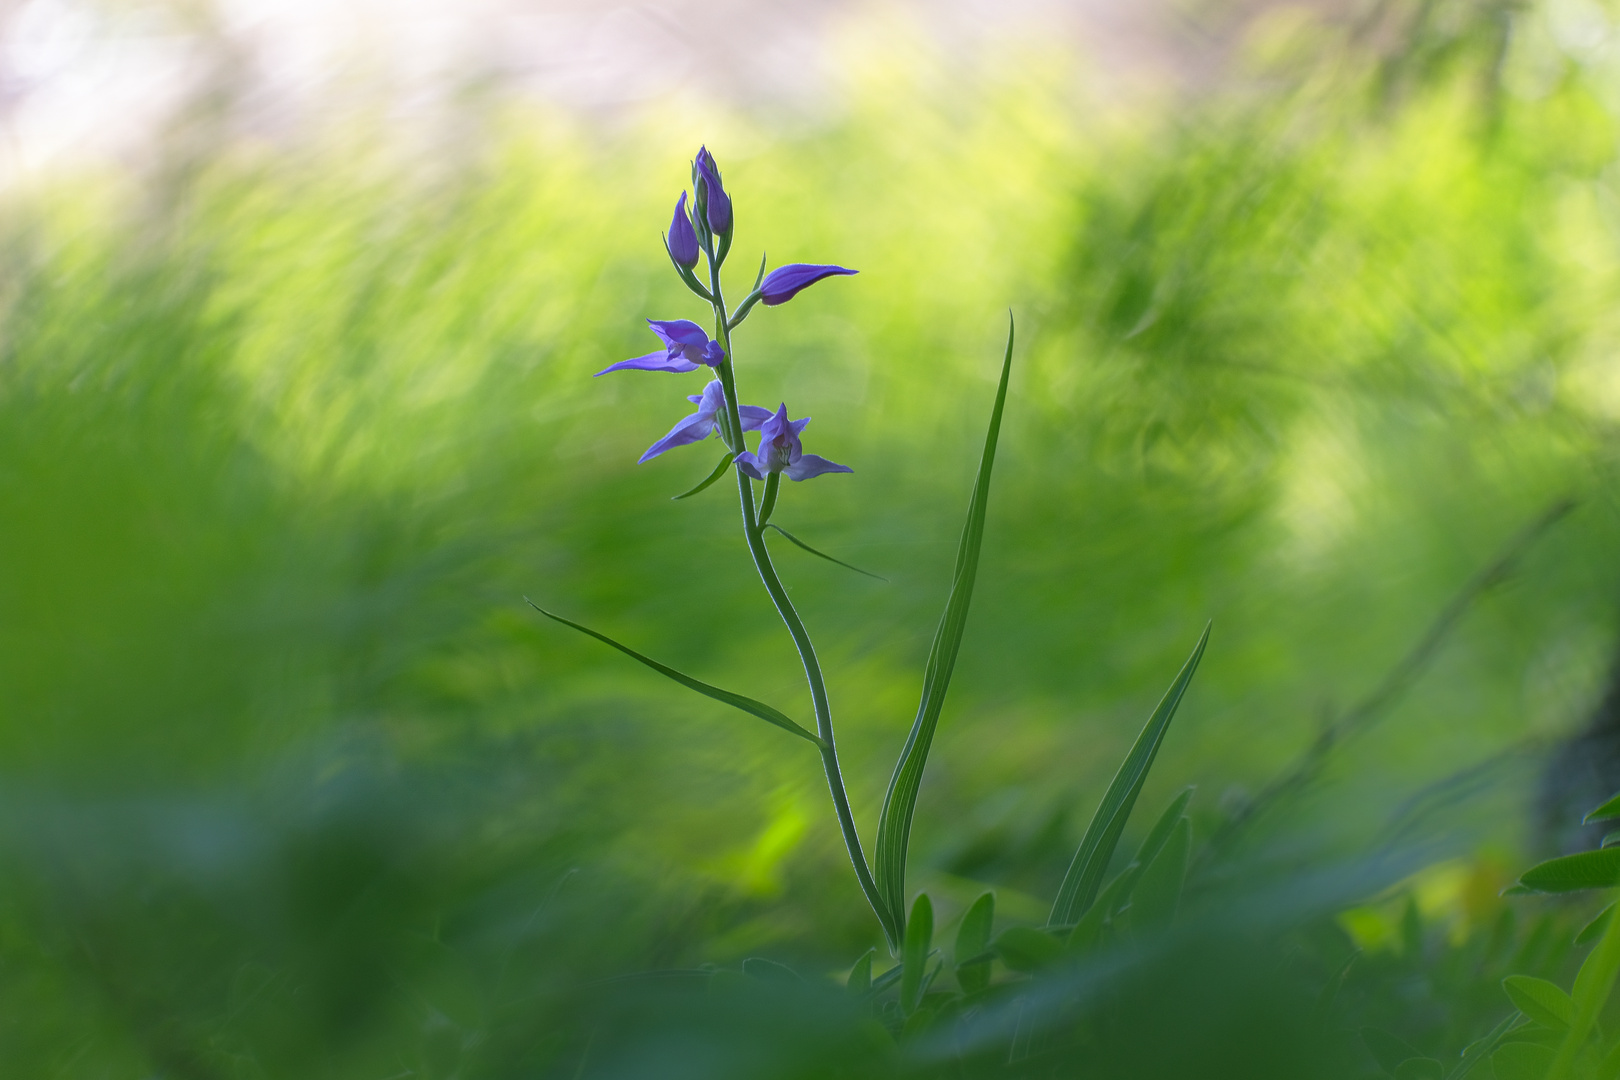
[(97, 80)]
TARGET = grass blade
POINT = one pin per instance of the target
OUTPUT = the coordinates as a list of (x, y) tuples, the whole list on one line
[(719, 471), (1090, 863), (821, 554), (894, 827), (738, 701)]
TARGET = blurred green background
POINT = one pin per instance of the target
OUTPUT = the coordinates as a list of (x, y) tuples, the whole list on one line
[(294, 783)]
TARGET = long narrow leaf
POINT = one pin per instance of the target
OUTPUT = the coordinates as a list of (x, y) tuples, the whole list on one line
[(719, 471), (738, 701), (894, 827), (821, 554), (1090, 863)]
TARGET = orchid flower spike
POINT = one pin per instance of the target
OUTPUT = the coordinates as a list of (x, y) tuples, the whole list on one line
[(712, 196), (683, 241), (786, 282), (703, 423), (685, 347), (780, 451)]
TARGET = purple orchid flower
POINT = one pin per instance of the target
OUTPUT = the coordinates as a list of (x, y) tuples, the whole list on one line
[(786, 282), (780, 451), (683, 242), (716, 202), (685, 347), (705, 422)]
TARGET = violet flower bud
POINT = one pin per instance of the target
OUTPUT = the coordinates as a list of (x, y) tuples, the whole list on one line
[(716, 203), (685, 347), (705, 422), (780, 451), (683, 241), (786, 282)]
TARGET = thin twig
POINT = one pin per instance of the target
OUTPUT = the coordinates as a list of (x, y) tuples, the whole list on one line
[(1397, 681)]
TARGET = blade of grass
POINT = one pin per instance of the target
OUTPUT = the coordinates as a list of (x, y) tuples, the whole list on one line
[(894, 827), (737, 701), (1090, 863), (821, 554), (719, 471)]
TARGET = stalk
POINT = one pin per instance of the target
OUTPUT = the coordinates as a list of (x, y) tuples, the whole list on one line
[(754, 533), (1591, 993)]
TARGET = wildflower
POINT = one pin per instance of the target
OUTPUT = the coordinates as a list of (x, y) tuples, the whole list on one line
[(711, 195), (785, 282), (705, 422), (686, 346), (780, 451), (683, 242)]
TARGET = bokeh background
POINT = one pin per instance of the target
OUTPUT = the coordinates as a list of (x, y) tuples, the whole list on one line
[(299, 306)]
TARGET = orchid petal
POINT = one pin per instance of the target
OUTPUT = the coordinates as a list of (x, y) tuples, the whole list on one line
[(679, 332), (811, 465), (694, 428), (749, 465), (655, 361), (786, 282), (717, 202), (752, 416)]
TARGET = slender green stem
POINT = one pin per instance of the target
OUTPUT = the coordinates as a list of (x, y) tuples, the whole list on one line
[(754, 533), (773, 484), (1591, 994)]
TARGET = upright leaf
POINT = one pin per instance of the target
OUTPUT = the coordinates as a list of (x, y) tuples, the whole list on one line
[(894, 826), (736, 701), (914, 957), (859, 983), (972, 937), (1158, 892), (1090, 863)]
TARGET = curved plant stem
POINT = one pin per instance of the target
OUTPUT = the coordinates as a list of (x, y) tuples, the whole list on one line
[(754, 533)]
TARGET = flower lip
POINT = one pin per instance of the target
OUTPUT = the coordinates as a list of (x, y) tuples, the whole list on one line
[(786, 282), (683, 242), (717, 203), (781, 451)]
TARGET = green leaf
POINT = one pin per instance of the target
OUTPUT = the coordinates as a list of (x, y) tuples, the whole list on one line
[(1540, 1000), (900, 801), (1610, 839), (1420, 1068), (1162, 828), (1482, 1048), (1158, 891), (1594, 929), (914, 956), (1388, 1050), (1089, 930), (719, 471), (746, 704), (1610, 809), (1023, 948), (972, 937), (1522, 1061), (859, 983), (1588, 870), (1090, 863), (822, 554)]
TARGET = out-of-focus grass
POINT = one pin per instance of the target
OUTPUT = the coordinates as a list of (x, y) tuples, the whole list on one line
[(295, 782)]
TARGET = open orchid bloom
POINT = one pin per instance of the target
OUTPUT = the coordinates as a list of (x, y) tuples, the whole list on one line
[(786, 282), (706, 421), (780, 451), (685, 347)]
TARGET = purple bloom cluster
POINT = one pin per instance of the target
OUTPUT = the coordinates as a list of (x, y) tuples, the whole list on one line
[(687, 346)]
